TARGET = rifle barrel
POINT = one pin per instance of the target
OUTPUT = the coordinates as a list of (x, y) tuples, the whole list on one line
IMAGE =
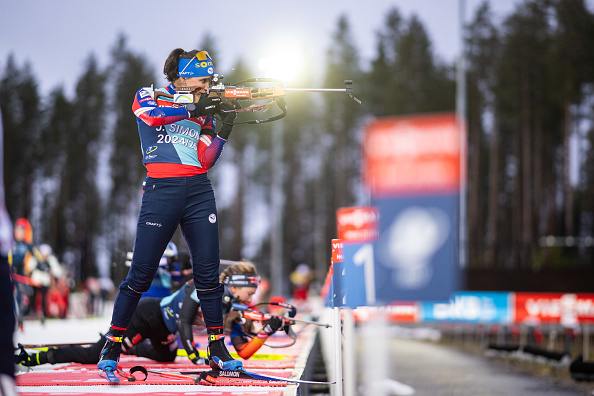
[(313, 322)]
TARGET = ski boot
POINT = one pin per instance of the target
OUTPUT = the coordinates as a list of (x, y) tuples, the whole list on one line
[(110, 354), (33, 359), (218, 355)]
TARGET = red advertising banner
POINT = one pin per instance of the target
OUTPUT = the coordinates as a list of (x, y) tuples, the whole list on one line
[(405, 312), (357, 224), (566, 309), (417, 154), (336, 249)]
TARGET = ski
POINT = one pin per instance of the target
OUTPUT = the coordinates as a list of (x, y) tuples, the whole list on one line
[(294, 381), (226, 377), (112, 374), (218, 378), (234, 378), (109, 375), (260, 377), (173, 375)]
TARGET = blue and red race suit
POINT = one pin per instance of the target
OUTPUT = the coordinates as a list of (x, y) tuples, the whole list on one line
[(178, 150), (174, 144)]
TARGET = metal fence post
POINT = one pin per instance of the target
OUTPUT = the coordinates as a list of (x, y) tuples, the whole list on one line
[(349, 355), (336, 389)]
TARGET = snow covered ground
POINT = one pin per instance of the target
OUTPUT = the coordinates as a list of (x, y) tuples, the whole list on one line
[(63, 330)]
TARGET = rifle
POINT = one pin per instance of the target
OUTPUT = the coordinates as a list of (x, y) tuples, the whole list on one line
[(249, 312), (255, 90)]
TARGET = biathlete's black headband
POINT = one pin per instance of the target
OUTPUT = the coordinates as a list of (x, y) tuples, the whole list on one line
[(242, 280)]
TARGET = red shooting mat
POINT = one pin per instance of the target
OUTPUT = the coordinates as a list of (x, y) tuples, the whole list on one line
[(80, 379), (91, 377), (182, 363)]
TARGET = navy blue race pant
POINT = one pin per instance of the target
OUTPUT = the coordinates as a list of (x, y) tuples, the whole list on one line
[(167, 202)]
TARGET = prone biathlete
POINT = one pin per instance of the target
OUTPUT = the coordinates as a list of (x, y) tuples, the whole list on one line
[(154, 327)]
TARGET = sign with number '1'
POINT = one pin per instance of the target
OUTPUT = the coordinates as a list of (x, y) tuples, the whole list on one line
[(411, 167), (357, 230)]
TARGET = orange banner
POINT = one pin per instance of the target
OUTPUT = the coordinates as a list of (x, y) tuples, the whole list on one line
[(357, 224)]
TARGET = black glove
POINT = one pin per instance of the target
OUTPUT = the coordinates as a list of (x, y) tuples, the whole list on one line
[(206, 105), (273, 324), (228, 117)]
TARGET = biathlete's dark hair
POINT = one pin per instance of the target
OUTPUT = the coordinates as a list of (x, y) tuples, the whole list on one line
[(170, 68)]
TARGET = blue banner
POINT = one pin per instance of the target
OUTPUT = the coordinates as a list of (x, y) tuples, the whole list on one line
[(357, 276), (470, 307), (416, 255), (337, 282)]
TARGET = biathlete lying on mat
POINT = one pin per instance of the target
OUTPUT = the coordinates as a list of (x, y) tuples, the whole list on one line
[(156, 322)]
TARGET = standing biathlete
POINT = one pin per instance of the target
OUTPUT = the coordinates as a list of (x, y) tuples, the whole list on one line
[(179, 145)]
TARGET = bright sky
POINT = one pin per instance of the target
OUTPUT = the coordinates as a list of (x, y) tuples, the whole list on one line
[(57, 36)]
